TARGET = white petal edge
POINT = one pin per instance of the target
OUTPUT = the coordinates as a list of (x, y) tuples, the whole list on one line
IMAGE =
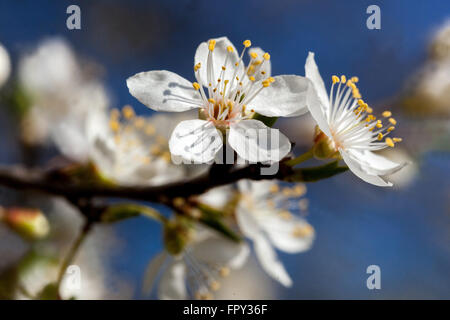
[(375, 164), (173, 282), (152, 271), (218, 55), (196, 141), (270, 262), (255, 142), (286, 97), (357, 169), (312, 73), (163, 90)]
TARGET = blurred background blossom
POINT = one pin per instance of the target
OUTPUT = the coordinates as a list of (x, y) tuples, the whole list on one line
[(52, 75)]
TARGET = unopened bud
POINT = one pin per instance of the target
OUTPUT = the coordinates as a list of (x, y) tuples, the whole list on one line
[(30, 223), (324, 147), (177, 234)]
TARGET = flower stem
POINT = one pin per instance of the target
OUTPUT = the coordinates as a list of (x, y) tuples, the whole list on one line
[(72, 252), (301, 158)]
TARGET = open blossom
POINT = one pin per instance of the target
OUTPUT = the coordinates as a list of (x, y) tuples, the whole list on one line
[(197, 271), (125, 148), (350, 127), (5, 65), (227, 94), (263, 216), (58, 87)]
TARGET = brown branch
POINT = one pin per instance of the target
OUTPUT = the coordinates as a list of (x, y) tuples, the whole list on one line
[(38, 180)]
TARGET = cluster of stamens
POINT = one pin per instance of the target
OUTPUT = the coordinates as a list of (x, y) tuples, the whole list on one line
[(136, 137), (203, 279), (352, 122), (227, 98)]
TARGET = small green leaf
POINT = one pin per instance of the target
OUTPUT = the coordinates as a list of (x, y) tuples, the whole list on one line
[(50, 292), (124, 211), (212, 218), (268, 121), (317, 173)]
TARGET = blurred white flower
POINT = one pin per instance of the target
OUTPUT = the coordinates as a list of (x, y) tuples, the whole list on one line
[(350, 127), (196, 272), (263, 216), (234, 93), (58, 88), (5, 65), (125, 148)]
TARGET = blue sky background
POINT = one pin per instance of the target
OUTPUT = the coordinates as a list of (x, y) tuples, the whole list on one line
[(405, 232)]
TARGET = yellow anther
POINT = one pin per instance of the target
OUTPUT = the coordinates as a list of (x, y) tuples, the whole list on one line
[(214, 285), (397, 139), (114, 125), (253, 55), (166, 156), (263, 72), (271, 80), (150, 130), (286, 215), (252, 78), (197, 66), (139, 122), (299, 190), (387, 114), (155, 150), (379, 124), (223, 68), (128, 112), (266, 56), (393, 121), (361, 102), (351, 85), (343, 79), (287, 192), (236, 64), (274, 188), (355, 79), (230, 49), (226, 81), (335, 79), (211, 45), (302, 231), (247, 43), (380, 136), (211, 100), (237, 78), (196, 86), (369, 109), (266, 83), (389, 142), (224, 272), (390, 129)]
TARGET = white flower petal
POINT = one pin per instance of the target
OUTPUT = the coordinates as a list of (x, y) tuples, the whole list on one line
[(355, 166), (312, 73), (270, 262), (218, 55), (247, 222), (265, 67), (217, 250), (172, 285), (375, 164), (217, 197), (255, 142), (152, 271), (71, 140), (317, 110), (281, 233), (195, 140), (286, 97), (5, 65), (164, 91)]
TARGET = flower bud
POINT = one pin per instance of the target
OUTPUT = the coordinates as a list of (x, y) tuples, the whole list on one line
[(30, 223), (324, 147)]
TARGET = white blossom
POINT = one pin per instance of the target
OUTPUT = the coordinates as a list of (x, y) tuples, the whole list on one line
[(227, 94), (5, 65), (351, 128), (198, 271)]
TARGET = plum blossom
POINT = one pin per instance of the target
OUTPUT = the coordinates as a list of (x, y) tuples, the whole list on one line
[(263, 217), (350, 127), (197, 271), (5, 65), (227, 94)]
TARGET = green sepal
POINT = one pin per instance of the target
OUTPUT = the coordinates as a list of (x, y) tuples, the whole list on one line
[(317, 173), (268, 121), (118, 212)]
